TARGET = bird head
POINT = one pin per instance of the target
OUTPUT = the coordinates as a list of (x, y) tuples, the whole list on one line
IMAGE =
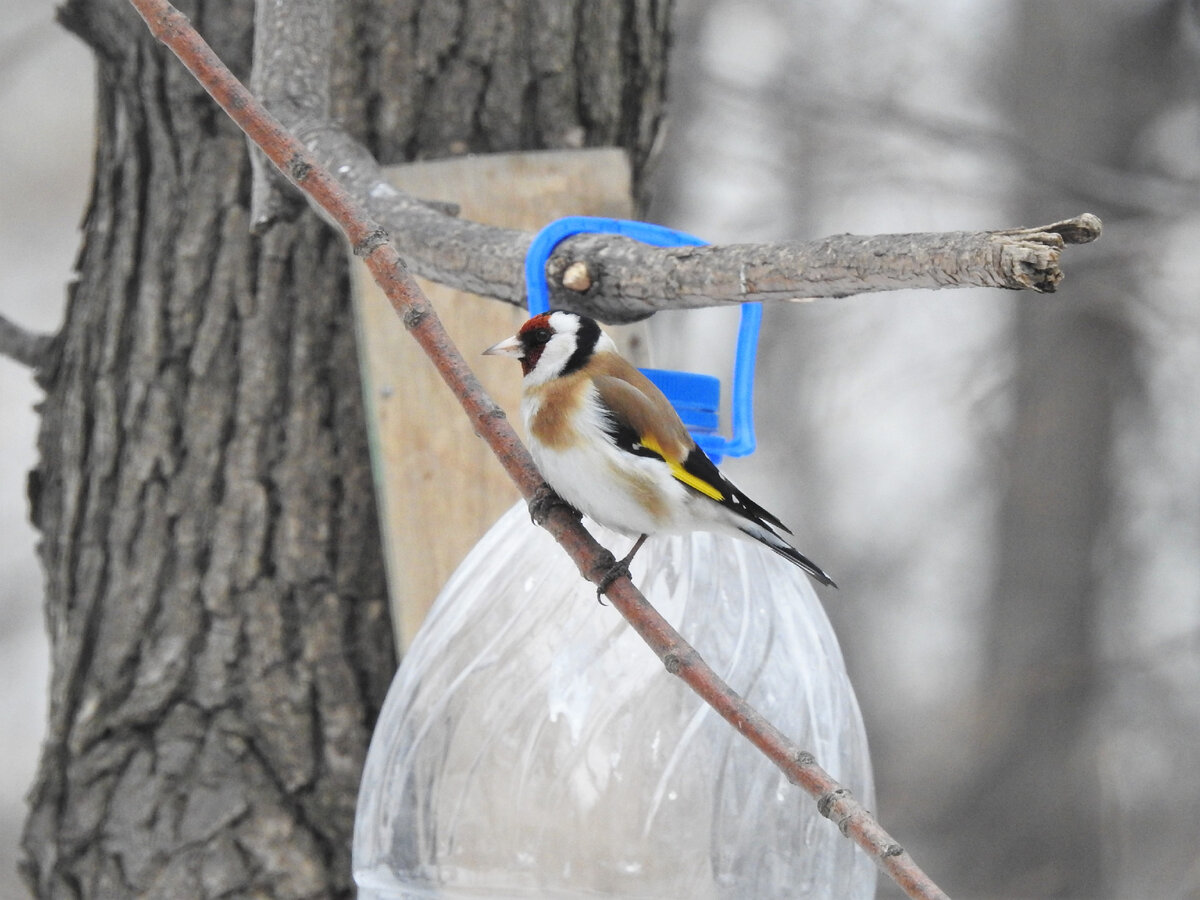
[(553, 344)]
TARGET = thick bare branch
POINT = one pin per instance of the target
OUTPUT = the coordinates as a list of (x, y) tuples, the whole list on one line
[(372, 245), (292, 62), (627, 281), (26, 347), (619, 280), (469, 257), (642, 279)]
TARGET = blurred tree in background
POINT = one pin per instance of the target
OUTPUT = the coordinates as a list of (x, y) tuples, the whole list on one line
[(1012, 483)]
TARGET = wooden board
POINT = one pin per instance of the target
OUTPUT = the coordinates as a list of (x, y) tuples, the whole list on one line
[(438, 486)]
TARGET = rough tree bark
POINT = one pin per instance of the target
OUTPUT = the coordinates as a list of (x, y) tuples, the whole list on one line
[(215, 591)]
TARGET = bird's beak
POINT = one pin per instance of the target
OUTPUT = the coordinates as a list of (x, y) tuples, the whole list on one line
[(510, 347)]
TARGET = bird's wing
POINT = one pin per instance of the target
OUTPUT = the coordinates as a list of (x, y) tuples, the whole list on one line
[(644, 423), (704, 469), (635, 403), (638, 423)]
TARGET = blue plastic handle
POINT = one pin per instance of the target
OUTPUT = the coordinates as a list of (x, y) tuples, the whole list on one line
[(696, 397)]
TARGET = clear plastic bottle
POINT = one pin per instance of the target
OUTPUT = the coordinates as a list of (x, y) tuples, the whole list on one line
[(532, 746)]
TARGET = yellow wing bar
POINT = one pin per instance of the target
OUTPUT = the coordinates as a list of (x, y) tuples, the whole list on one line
[(682, 474)]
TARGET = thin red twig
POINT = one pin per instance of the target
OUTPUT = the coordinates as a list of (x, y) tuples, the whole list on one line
[(371, 243)]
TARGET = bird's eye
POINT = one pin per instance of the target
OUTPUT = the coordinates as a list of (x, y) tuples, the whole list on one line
[(540, 336)]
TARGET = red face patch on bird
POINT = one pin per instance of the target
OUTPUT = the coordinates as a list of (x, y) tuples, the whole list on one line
[(534, 336)]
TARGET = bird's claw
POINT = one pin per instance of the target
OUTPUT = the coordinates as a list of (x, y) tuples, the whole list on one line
[(613, 569), (544, 499)]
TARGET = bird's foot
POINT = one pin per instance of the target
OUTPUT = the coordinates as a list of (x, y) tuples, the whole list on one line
[(617, 568), (613, 569), (543, 501)]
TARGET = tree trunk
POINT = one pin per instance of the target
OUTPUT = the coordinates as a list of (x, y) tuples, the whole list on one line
[(215, 591), (1076, 367), (1037, 785)]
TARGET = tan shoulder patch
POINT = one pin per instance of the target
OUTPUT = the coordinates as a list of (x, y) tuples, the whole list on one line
[(559, 401)]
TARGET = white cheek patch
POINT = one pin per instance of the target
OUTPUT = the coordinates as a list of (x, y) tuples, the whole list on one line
[(554, 358)]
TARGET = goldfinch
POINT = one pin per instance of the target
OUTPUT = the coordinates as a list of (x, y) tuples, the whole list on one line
[(609, 442)]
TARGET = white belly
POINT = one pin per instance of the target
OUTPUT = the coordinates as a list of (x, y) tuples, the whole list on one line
[(629, 494)]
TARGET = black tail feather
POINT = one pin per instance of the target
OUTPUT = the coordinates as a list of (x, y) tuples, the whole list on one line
[(791, 554)]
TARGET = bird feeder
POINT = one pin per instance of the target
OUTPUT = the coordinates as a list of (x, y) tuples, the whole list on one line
[(532, 746)]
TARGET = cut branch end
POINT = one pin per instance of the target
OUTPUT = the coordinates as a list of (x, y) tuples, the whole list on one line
[(1082, 229), (1030, 256)]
